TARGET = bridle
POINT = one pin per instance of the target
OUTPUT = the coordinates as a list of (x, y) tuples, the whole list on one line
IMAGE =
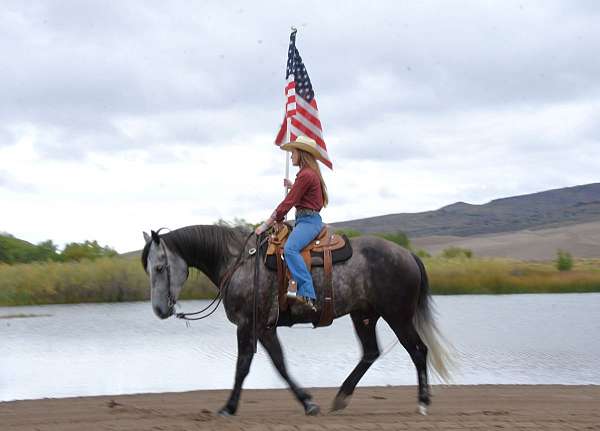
[(170, 300)]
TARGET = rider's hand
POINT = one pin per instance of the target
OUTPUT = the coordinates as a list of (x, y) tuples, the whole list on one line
[(263, 227), (287, 183), (260, 229)]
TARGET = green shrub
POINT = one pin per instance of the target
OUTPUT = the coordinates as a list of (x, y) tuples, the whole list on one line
[(350, 233), (237, 222), (454, 252), (14, 250), (86, 250), (423, 253), (398, 237), (564, 261)]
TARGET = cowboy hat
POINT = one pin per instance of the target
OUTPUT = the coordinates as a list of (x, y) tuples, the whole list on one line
[(307, 144)]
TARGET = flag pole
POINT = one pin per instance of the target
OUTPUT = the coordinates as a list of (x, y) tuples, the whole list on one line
[(287, 139), (287, 156)]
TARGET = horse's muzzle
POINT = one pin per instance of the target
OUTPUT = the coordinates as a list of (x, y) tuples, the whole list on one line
[(162, 314)]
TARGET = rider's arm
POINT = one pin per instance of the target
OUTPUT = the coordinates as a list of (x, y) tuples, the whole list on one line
[(294, 196)]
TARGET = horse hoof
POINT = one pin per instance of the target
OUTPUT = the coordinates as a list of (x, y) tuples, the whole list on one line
[(311, 409), (422, 409), (224, 413), (340, 402)]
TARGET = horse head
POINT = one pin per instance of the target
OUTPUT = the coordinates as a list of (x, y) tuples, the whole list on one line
[(167, 272)]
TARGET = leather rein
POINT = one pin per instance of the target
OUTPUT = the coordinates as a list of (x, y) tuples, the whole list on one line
[(223, 284)]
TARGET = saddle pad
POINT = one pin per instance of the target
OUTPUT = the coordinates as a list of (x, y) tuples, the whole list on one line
[(337, 256)]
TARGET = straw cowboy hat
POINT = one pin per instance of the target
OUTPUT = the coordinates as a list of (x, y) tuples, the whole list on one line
[(307, 144)]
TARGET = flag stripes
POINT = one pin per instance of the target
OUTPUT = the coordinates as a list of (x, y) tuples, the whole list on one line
[(301, 111)]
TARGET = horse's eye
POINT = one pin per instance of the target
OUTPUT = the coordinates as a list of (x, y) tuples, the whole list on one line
[(159, 268)]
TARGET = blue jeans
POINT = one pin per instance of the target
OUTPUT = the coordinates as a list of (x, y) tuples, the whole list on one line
[(306, 229)]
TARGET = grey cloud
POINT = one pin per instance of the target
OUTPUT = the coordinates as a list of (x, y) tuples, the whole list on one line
[(6, 137), (386, 193), (591, 129), (76, 68), (8, 182), (482, 57)]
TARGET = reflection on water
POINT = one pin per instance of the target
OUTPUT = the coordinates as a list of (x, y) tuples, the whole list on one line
[(96, 349)]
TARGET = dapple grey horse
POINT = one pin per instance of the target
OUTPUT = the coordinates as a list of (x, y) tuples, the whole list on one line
[(380, 280)]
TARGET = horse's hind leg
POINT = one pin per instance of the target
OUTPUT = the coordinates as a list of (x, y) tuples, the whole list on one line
[(365, 329), (270, 342), (410, 339)]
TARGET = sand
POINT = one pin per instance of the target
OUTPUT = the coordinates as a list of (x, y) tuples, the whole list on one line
[(483, 407)]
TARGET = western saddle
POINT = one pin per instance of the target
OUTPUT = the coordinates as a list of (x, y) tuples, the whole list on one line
[(317, 253)]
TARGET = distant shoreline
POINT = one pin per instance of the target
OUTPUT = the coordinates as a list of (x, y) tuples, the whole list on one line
[(108, 280)]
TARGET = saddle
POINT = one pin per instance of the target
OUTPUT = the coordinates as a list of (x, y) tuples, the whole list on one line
[(325, 250)]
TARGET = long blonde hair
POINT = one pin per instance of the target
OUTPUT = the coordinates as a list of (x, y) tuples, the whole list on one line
[(307, 159)]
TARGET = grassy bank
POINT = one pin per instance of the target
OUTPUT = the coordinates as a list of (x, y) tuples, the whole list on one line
[(496, 276), (101, 280), (121, 279)]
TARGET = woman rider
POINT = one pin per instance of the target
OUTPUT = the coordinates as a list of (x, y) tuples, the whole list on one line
[(308, 194)]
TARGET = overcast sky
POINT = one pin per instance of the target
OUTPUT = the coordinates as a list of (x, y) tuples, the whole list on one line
[(118, 117)]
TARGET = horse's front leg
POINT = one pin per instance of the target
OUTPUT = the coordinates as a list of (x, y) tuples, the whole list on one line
[(244, 359), (270, 342)]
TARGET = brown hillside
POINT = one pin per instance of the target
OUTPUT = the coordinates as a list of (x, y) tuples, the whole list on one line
[(581, 240), (552, 208)]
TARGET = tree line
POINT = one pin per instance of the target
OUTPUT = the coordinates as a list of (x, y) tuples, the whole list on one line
[(14, 250)]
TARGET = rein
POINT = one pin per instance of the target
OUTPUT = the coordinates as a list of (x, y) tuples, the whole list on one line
[(224, 283)]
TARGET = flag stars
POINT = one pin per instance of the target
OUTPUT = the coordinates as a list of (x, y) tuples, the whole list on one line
[(296, 67)]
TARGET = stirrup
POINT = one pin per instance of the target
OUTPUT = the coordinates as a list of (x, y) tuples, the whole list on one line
[(292, 290)]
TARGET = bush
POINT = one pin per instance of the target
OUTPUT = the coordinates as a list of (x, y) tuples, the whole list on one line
[(454, 252), (237, 222), (564, 261), (86, 250), (14, 250), (398, 237), (423, 253), (350, 233)]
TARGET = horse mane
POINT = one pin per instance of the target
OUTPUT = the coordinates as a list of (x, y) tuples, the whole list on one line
[(205, 247)]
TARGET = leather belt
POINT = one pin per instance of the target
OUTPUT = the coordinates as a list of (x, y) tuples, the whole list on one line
[(304, 212)]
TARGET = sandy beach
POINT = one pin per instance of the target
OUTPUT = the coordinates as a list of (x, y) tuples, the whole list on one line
[(548, 407)]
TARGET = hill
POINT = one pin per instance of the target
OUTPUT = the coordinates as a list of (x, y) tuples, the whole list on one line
[(15, 250), (581, 240), (543, 210)]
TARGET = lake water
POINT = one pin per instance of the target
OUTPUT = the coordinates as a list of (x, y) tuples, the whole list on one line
[(100, 349)]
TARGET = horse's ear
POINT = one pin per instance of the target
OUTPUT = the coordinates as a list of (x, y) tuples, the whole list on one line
[(146, 237), (155, 236)]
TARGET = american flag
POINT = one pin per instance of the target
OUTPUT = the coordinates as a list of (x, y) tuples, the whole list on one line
[(301, 105)]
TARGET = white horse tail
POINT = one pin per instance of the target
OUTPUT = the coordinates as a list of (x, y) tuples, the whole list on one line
[(439, 359)]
